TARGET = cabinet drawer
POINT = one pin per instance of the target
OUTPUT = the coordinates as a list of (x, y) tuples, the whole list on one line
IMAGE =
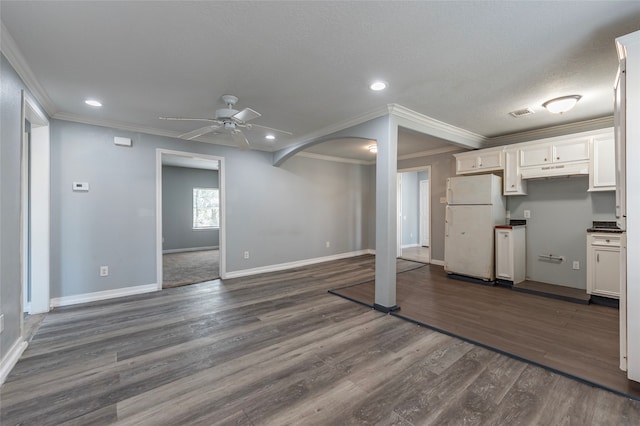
[(605, 240)]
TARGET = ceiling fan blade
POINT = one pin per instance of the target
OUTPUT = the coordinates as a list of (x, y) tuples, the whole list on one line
[(246, 115), (188, 119), (198, 132), (240, 140), (269, 128)]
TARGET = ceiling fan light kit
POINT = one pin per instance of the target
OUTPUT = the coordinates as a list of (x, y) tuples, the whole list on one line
[(228, 120), (561, 104)]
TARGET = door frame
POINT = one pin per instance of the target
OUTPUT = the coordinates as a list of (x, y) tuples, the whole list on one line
[(221, 183), (421, 226), (35, 172), (426, 168)]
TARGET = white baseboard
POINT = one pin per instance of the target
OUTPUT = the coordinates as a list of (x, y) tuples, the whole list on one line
[(184, 250), (102, 295), (296, 264), (11, 358), (410, 246), (437, 262)]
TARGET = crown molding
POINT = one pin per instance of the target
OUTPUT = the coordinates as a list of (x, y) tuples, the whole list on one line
[(413, 120), (10, 50), (342, 125), (334, 159), (550, 132), (431, 152), (115, 124)]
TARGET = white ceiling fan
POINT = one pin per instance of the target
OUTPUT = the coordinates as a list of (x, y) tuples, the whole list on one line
[(226, 120)]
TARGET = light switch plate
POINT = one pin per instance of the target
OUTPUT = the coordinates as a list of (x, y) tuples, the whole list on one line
[(527, 214)]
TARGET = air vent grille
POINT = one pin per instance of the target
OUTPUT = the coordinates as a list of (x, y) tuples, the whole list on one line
[(521, 112)]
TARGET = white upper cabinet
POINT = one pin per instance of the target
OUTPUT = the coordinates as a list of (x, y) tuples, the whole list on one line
[(483, 160), (513, 183), (602, 173), (558, 152), (535, 155), (573, 150)]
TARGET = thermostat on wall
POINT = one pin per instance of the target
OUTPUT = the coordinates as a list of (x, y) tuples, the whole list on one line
[(81, 186)]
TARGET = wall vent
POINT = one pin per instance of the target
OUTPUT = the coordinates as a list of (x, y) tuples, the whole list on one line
[(521, 112)]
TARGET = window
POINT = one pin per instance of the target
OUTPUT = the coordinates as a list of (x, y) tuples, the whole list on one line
[(206, 208)]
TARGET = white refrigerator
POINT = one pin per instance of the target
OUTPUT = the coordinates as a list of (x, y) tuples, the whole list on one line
[(475, 205)]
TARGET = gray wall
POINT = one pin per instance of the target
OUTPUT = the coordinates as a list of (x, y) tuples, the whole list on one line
[(561, 211), (177, 208), (410, 209), (442, 167), (279, 215), (11, 87)]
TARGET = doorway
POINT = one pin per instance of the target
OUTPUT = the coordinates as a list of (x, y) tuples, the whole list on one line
[(189, 248), (35, 208), (414, 214)]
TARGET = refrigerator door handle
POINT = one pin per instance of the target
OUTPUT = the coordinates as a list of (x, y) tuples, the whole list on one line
[(447, 220)]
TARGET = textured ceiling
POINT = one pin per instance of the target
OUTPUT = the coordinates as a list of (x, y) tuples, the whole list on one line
[(307, 65)]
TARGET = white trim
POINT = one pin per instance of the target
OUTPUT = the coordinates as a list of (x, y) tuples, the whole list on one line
[(36, 243), (11, 358), (413, 120), (102, 295), (332, 158), (295, 264), (443, 150), (410, 246), (185, 250), (550, 132), (19, 63), (437, 262)]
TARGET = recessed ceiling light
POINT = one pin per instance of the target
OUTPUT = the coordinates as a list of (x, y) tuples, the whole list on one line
[(373, 148), (562, 104), (377, 86), (93, 103), (270, 137)]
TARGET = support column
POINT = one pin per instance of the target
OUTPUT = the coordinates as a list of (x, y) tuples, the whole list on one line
[(386, 211)]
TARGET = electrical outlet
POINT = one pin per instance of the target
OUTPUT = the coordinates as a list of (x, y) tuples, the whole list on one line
[(527, 214), (246, 254), (104, 271), (576, 265), (508, 215), (327, 244)]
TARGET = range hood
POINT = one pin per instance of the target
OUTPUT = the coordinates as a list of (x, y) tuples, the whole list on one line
[(555, 170)]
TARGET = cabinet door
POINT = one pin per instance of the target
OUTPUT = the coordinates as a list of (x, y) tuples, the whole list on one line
[(603, 165), (504, 254), (606, 272), (466, 163), (490, 161), (513, 184), (535, 155), (575, 150)]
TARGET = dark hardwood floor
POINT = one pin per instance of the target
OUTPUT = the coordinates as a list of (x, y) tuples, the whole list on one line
[(278, 349), (579, 340)]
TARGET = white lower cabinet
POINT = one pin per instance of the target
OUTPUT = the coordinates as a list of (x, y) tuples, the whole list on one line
[(603, 264), (510, 254)]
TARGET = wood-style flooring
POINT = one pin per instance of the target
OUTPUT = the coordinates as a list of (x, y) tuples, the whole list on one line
[(278, 349), (579, 340)]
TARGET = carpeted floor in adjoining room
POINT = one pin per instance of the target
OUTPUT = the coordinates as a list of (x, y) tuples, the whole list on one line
[(190, 267)]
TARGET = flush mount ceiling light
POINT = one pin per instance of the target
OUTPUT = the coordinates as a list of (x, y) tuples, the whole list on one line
[(562, 104), (373, 148), (93, 103), (270, 137), (377, 86)]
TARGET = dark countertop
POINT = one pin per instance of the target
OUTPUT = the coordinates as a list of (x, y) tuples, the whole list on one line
[(605, 226)]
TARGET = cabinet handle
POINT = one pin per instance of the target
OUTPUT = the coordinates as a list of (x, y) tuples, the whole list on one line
[(557, 158), (545, 159), (513, 185), (598, 257)]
